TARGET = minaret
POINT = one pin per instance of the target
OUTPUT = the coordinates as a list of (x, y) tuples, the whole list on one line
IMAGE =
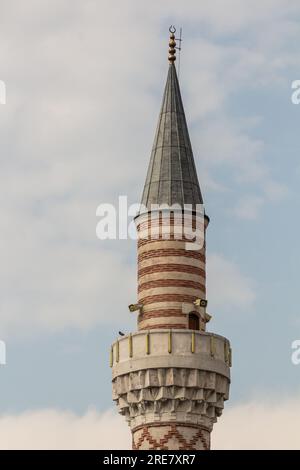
[(171, 377)]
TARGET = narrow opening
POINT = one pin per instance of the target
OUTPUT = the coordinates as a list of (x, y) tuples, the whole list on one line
[(193, 322)]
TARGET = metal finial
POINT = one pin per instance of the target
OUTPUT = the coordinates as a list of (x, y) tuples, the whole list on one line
[(172, 45)]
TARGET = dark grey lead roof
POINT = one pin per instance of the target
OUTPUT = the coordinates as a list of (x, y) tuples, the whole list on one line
[(172, 176)]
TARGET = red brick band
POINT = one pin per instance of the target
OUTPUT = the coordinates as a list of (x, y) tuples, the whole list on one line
[(172, 252), (165, 222), (172, 312), (168, 298), (165, 326), (170, 283), (172, 267), (171, 237), (168, 423)]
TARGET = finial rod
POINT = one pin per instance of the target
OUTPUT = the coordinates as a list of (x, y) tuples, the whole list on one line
[(172, 45)]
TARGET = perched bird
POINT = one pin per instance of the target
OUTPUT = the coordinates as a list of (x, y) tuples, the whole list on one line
[(121, 333)]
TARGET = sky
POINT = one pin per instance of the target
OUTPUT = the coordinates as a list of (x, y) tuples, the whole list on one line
[(84, 83)]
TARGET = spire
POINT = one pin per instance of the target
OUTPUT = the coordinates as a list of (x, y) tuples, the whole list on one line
[(172, 177)]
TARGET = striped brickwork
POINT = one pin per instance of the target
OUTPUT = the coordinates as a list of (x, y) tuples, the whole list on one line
[(169, 274)]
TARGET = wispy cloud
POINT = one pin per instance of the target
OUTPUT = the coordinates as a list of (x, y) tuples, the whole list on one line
[(227, 285), (257, 424), (71, 137), (248, 207), (55, 429)]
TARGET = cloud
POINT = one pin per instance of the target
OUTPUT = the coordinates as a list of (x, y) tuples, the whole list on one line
[(259, 425), (248, 207), (272, 424), (227, 286), (66, 289), (275, 191), (54, 429), (226, 144), (82, 103)]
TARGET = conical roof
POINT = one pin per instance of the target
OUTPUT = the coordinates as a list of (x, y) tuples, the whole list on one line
[(172, 177)]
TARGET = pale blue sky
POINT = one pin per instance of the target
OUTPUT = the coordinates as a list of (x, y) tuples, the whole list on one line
[(84, 86)]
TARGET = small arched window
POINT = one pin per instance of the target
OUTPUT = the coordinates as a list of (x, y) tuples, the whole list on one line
[(194, 321)]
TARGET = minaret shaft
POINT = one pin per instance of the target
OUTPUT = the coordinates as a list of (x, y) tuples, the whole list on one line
[(170, 277)]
